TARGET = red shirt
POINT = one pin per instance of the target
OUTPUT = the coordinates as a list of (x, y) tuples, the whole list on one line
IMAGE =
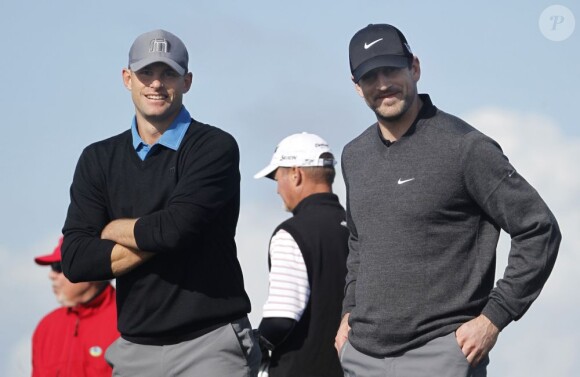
[(71, 342)]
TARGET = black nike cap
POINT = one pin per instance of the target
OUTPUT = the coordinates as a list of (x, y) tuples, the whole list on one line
[(377, 45)]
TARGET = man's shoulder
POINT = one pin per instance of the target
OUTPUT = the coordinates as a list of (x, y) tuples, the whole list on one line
[(320, 210), (448, 125), (286, 225), (110, 142), (290, 226), (364, 139), (56, 316), (199, 132)]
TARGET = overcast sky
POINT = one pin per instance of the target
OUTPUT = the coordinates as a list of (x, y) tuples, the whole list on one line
[(267, 69)]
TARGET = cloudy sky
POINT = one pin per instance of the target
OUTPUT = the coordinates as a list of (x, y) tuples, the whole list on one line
[(263, 70)]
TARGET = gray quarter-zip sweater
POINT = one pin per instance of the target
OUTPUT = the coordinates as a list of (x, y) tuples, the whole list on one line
[(425, 215)]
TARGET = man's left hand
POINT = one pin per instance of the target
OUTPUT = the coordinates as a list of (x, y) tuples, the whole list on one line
[(476, 338)]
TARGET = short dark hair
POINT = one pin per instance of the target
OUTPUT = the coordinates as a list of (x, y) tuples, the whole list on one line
[(322, 174)]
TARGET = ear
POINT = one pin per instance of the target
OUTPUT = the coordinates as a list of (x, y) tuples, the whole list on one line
[(297, 176), (416, 69), (188, 80), (357, 87), (127, 78)]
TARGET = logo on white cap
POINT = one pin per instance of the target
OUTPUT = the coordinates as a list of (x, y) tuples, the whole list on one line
[(301, 150)]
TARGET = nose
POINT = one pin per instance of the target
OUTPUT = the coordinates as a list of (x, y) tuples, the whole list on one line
[(382, 80), (156, 83)]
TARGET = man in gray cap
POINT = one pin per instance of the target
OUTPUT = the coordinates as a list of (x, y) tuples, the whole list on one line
[(427, 195), (156, 207)]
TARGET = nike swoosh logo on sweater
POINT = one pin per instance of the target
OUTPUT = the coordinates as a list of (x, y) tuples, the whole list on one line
[(401, 181)]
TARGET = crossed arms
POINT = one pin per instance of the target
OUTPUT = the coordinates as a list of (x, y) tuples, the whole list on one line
[(102, 238)]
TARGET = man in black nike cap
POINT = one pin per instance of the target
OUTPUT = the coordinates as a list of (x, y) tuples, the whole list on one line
[(427, 196)]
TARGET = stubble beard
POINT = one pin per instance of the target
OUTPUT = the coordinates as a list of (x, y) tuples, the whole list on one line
[(405, 104), (389, 118)]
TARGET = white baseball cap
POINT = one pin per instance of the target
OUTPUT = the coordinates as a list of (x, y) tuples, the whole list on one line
[(301, 150)]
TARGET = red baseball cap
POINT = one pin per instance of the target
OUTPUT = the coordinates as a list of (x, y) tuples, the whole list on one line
[(44, 260)]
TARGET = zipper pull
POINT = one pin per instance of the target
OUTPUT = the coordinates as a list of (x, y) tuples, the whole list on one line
[(77, 327)]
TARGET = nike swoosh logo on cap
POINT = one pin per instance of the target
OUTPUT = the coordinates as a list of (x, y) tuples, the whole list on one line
[(368, 45)]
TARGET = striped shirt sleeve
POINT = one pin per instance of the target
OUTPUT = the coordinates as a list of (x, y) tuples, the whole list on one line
[(289, 290)]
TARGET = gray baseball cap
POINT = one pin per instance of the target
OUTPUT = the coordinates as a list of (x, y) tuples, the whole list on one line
[(158, 46)]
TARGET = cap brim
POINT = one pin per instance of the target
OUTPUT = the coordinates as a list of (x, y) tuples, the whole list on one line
[(399, 61), (157, 59), (266, 172), (44, 260)]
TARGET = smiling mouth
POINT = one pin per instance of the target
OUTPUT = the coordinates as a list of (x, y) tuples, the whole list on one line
[(388, 95), (388, 98), (156, 97)]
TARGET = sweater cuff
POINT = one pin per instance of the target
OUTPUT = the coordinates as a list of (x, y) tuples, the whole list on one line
[(143, 236), (496, 314), (348, 302)]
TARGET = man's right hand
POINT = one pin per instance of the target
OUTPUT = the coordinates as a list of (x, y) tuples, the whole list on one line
[(342, 333)]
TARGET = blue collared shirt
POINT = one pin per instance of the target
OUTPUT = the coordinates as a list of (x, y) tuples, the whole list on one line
[(171, 138)]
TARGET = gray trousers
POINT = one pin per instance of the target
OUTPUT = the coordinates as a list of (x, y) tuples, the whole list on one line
[(230, 350), (440, 357)]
